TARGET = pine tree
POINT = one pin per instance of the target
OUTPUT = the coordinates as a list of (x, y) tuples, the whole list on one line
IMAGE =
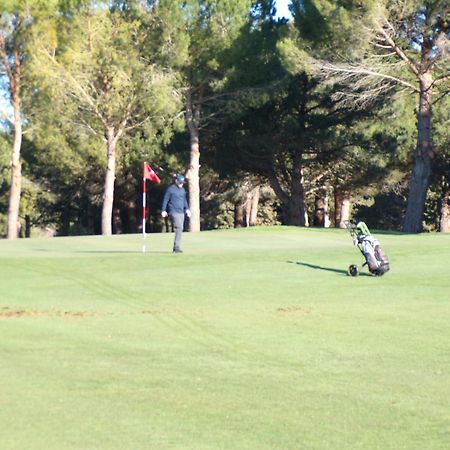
[(202, 30), (393, 45), (95, 72)]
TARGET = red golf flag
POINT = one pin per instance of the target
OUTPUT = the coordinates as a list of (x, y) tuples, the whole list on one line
[(149, 174)]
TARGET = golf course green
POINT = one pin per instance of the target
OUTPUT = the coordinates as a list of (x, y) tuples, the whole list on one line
[(251, 339)]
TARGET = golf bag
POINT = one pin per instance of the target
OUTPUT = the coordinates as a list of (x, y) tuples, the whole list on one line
[(376, 260)]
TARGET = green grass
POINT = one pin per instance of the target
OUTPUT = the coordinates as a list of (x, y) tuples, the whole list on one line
[(251, 339)]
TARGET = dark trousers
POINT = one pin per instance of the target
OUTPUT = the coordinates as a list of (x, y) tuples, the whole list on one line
[(178, 224)]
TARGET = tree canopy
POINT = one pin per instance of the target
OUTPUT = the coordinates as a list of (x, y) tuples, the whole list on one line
[(340, 112)]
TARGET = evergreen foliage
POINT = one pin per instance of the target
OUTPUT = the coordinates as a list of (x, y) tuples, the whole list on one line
[(264, 113)]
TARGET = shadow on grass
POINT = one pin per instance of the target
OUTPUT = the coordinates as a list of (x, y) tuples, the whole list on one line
[(123, 252), (328, 269)]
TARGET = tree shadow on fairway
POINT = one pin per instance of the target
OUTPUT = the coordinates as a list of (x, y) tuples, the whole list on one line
[(98, 251), (123, 252), (328, 269)]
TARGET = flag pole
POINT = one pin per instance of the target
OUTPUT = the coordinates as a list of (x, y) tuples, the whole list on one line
[(147, 174), (144, 209)]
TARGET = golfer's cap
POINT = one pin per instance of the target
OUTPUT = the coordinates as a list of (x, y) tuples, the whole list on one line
[(180, 179)]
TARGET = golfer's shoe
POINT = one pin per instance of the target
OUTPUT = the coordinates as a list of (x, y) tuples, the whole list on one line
[(177, 250)]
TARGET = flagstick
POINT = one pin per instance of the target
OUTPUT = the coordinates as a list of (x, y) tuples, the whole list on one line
[(144, 212), (149, 174)]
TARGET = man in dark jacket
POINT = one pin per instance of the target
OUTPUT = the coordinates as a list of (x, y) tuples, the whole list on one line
[(175, 204)]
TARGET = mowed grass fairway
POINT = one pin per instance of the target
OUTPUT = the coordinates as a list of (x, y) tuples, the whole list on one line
[(251, 339)]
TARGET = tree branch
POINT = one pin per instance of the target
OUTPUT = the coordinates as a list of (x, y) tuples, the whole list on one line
[(414, 69), (6, 64), (441, 97), (5, 117), (276, 186), (442, 79), (68, 76), (355, 71), (122, 126)]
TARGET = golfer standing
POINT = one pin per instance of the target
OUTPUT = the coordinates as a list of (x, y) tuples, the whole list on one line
[(175, 204)]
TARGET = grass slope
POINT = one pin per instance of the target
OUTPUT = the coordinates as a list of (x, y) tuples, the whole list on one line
[(251, 339)]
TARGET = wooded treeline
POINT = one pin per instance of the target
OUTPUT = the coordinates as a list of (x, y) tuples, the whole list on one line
[(342, 112)]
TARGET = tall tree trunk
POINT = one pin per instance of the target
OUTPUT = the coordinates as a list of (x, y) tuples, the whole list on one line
[(246, 208), (444, 224), (108, 191), (422, 159), (296, 205), (192, 118), (27, 226), (321, 218), (296, 212), (251, 212), (341, 208), (13, 70), (16, 175), (239, 215)]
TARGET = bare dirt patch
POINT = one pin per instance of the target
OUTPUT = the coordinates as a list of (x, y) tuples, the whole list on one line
[(11, 313), (292, 311)]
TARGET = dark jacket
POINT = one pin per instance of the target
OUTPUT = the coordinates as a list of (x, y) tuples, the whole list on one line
[(175, 200)]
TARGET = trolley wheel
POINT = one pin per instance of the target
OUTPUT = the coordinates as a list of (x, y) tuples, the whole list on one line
[(353, 270)]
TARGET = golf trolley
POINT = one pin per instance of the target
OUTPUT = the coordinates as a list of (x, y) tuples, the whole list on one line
[(376, 260)]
